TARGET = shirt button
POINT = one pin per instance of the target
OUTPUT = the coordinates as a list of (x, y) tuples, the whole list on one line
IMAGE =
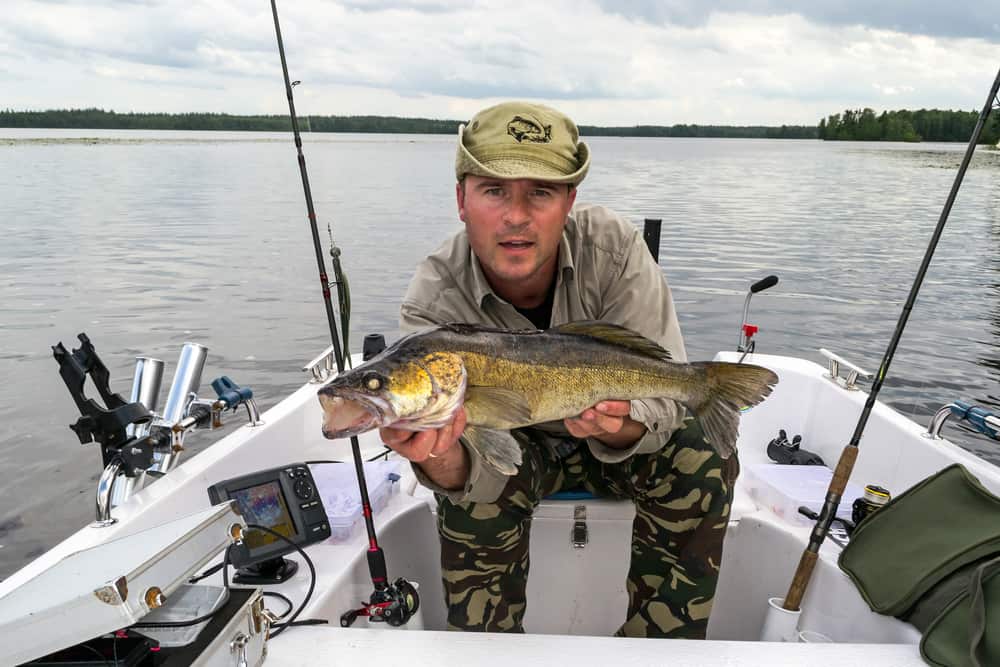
[(656, 426)]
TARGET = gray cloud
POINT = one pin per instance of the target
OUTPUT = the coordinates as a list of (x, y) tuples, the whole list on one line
[(957, 18)]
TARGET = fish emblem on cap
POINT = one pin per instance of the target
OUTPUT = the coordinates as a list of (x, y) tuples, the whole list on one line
[(530, 130)]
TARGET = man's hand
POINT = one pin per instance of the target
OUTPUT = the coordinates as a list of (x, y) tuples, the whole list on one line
[(438, 452), (608, 421)]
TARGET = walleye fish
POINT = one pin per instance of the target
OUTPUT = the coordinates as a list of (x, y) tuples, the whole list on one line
[(511, 379)]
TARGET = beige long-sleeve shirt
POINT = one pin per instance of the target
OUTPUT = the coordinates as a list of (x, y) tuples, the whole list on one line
[(605, 272)]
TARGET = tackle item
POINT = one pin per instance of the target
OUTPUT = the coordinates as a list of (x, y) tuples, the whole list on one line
[(931, 557), (874, 499), (780, 450), (922, 536)]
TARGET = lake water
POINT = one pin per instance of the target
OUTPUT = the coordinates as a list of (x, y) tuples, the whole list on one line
[(145, 240)]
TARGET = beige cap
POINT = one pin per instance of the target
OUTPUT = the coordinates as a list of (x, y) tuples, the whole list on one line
[(522, 140)]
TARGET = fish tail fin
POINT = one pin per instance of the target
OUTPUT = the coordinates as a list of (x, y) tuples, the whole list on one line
[(731, 388)]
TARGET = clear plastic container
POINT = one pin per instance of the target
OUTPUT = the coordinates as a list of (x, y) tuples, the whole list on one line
[(337, 484), (189, 601), (784, 488)]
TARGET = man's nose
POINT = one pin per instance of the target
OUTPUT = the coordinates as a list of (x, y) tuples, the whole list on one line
[(517, 211)]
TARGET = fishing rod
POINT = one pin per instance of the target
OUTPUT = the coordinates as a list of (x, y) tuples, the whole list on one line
[(803, 573), (393, 602)]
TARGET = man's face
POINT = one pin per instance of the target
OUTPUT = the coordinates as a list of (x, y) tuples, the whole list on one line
[(514, 227)]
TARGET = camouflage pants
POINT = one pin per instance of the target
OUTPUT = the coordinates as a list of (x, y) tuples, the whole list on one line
[(682, 496)]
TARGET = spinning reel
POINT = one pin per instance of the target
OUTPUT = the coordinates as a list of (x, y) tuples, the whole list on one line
[(394, 604)]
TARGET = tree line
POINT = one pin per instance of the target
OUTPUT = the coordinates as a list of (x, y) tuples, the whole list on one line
[(99, 119), (852, 124), (904, 125)]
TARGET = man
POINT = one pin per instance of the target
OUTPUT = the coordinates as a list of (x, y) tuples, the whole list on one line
[(530, 258)]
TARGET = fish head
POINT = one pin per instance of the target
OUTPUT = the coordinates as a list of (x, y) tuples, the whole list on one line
[(412, 391)]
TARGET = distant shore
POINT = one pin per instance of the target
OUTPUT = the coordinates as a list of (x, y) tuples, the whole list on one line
[(99, 119), (853, 125)]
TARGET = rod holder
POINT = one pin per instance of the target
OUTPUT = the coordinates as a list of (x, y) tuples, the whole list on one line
[(145, 389), (187, 379)]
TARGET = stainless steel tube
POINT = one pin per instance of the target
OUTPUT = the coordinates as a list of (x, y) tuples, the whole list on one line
[(145, 389), (187, 379)]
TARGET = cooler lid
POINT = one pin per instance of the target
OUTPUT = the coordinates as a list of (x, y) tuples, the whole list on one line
[(104, 588)]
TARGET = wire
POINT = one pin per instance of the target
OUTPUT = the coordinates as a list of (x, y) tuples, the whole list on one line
[(207, 573), (312, 579), (275, 594), (313, 463)]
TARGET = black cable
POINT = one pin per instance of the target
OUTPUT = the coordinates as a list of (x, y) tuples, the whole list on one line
[(312, 579), (275, 594), (381, 454), (207, 573)]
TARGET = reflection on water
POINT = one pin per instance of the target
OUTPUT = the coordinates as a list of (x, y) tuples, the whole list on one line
[(148, 239)]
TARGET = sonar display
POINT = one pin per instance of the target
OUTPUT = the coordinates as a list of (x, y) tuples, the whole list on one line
[(264, 505)]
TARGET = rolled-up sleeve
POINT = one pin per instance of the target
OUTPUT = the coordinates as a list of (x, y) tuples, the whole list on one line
[(484, 485), (639, 299)]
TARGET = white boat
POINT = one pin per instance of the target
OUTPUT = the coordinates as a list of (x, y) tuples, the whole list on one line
[(101, 579)]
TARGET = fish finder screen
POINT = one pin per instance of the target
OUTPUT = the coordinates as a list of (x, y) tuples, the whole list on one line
[(264, 505)]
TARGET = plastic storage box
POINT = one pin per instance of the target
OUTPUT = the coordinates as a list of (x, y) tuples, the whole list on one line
[(338, 488), (784, 488)]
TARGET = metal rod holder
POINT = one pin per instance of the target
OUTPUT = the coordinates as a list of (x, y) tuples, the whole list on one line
[(105, 491), (187, 379)]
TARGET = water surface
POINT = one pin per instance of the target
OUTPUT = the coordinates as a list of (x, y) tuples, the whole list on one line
[(147, 239)]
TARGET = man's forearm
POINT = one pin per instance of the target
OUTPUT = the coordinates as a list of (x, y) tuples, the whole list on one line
[(449, 470)]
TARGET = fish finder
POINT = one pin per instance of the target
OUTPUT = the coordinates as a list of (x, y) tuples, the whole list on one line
[(283, 499)]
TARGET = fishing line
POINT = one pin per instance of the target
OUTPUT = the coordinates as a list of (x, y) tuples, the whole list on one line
[(376, 557)]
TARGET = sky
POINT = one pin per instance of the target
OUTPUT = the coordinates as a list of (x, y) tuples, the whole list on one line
[(604, 62)]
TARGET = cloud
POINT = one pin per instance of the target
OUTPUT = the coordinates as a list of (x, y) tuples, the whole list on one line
[(636, 63), (958, 18)]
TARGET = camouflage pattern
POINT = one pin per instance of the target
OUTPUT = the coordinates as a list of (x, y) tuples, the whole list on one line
[(682, 495)]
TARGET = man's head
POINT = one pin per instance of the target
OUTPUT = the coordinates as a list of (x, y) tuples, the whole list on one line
[(517, 167)]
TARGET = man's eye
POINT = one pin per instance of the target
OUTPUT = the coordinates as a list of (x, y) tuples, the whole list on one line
[(494, 192), (543, 193)]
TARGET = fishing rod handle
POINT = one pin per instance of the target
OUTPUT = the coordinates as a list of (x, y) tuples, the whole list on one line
[(803, 573)]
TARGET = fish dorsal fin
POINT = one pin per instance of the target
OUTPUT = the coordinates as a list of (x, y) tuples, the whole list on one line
[(496, 407), (616, 335)]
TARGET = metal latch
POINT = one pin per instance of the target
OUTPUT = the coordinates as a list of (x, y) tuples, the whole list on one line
[(579, 534), (836, 362), (239, 647)]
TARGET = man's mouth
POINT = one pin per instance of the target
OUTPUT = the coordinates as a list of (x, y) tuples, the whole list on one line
[(516, 244)]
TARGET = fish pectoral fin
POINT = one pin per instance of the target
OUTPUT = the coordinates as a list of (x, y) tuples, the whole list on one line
[(494, 406), (498, 449), (616, 335)]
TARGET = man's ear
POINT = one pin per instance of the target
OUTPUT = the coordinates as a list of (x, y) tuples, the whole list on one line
[(572, 196), (460, 199)]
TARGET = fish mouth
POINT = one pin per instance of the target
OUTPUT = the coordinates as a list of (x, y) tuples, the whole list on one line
[(346, 414)]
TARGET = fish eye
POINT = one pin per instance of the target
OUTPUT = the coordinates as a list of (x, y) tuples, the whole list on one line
[(373, 382)]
